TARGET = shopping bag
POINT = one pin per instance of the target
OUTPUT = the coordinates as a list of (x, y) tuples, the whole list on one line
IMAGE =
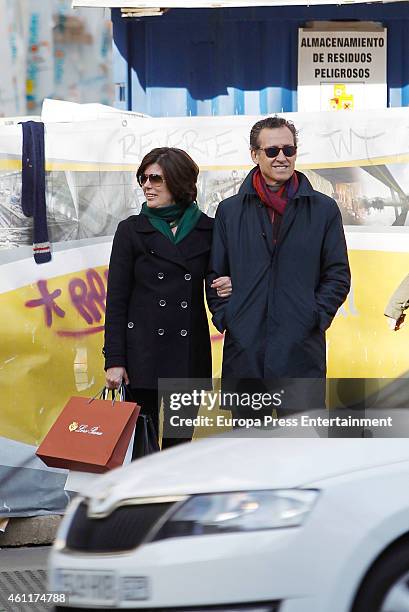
[(80, 481), (145, 440), (90, 435)]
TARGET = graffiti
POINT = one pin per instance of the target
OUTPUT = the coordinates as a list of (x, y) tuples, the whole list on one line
[(131, 147), (216, 146), (47, 300), (342, 142), (221, 144), (87, 297)]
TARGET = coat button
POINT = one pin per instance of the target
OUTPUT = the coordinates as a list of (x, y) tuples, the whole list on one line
[(130, 324), (188, 277), (161, 332), (162, 302), (183, 332), (161, 275), (183, 304)]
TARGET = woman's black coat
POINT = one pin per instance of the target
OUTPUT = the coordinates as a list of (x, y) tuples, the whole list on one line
[(156, 323)]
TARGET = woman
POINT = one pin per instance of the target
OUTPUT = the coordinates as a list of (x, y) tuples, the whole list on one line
[(156, 323)]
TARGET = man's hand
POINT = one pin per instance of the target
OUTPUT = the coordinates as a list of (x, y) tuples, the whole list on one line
[(115, 376), (223, 286)]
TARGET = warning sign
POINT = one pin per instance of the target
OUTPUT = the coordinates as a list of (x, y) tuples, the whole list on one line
[(332, 62)]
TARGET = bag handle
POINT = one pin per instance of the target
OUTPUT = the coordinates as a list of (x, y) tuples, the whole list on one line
[(117, 394)]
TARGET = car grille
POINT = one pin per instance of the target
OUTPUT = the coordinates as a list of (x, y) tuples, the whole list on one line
[(124, 529)]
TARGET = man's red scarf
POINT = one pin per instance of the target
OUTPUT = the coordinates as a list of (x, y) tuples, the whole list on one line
[(276, 201)]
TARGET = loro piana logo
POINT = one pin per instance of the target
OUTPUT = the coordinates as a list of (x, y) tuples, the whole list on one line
[(83, 428)]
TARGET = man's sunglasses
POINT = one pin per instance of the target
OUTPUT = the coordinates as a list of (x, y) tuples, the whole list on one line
[(154, 179), (288, 150)]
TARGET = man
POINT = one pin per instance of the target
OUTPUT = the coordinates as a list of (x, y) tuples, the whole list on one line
[(284, 247)]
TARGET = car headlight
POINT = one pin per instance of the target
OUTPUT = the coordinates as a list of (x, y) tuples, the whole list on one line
[(238, 511)]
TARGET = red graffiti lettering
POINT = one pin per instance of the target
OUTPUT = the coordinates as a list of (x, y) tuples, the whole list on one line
[(80, 333), (47, 300), (88, 297)]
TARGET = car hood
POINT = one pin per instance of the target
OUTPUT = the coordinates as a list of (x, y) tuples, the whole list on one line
[(238, 463)]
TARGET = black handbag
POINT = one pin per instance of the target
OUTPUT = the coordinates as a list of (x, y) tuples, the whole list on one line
[(145, 440)]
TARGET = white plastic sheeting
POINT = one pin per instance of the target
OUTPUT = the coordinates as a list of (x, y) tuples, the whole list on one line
[(50, 50)]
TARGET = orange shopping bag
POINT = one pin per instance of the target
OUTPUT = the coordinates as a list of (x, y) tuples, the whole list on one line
[(90, 435)]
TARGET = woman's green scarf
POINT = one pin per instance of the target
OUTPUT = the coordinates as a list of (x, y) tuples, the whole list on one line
[(163, 219)]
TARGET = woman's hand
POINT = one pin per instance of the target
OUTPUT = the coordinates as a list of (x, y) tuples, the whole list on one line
[(115, 376), (223, 286)]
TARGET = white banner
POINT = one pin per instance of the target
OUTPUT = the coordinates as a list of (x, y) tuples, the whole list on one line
[(325, 140)]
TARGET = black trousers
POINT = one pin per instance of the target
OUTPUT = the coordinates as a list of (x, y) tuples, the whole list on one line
[(150, 401)]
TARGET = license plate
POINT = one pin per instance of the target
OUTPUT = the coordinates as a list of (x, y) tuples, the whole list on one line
[(93, 587), (134, 588)]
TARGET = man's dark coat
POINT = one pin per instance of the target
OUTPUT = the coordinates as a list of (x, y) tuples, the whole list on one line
[(284, 296), (156, 324)]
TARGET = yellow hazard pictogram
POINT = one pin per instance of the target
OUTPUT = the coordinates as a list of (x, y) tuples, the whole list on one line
[(341, 100)]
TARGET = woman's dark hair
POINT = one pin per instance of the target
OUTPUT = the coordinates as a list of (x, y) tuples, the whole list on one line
[(179, 170)]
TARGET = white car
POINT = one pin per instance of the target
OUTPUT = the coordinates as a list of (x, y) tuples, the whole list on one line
[(243, 524)]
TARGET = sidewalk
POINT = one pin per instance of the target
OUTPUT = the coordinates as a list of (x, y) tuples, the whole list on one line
[(35, 530)]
